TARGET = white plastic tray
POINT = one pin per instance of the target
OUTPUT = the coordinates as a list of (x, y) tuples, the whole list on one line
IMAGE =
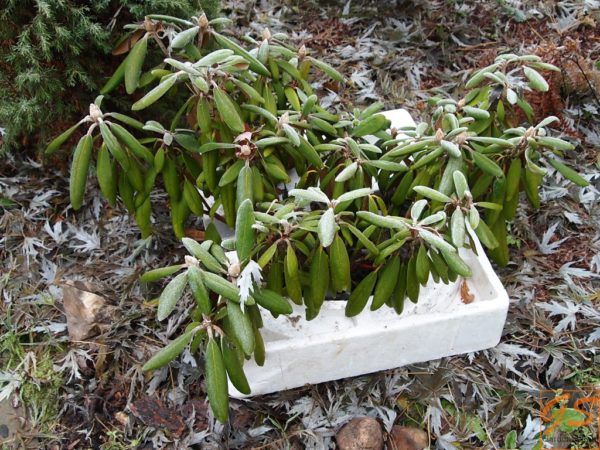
[(333, 346)]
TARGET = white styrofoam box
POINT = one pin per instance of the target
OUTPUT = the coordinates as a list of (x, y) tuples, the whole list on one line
[(398, 117), (333, 346)]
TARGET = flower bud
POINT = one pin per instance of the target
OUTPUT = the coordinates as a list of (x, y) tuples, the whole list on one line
[(302, 51), (95, 112), (439, 135), (203, 21), (234, 270), (245, 150), (191, 261)]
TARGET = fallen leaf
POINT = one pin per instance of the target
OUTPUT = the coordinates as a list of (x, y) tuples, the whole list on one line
[(86, 311), (465, 294)]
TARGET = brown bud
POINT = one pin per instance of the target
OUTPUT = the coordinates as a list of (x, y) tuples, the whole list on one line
[(302, 52), (203, 21), (439, 135)]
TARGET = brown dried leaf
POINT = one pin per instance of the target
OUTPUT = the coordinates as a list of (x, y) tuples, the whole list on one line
[(126, 44), (465, 294), (86, 311)]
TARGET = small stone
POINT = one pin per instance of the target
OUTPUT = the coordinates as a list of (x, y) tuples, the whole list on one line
[(361, 433), (407, 438)]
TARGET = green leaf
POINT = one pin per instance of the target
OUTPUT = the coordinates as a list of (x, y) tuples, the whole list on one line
[(171, 295), (312, 194), (364, 240), (568, 173), (319, 276), (460, 183), (131, 142), (416, 210), (476, 113), (216, 57), (167, 354), (162, 272), (457, 227), (360, 295), (203, 255), (184, 37), (227, 110), (554, 143), (371, 125), (422, 265), (432, 194), (156, 93), (232, 173), (61, 139), (347, 173), (292, 275), (487, 165), (272, 301), (330, 71), (353, 195), (339, 263), (387, 165), (133, 67), (452, 149), (241, 326), (327, 227), (456, 263), (216, 381), (245, 185), (436, 241), (114, 146), (199, 290), (224, 288), (510, 440), (386, 283), (255, 64), (115, 78), (244, 232), (486, 236), (234, 367), (79, 170), (536, 80), (382, 221)]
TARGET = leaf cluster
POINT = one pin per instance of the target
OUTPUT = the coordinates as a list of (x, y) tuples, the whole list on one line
[(374, 213)]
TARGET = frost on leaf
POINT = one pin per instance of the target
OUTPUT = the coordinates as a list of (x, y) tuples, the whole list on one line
[(250, 275)]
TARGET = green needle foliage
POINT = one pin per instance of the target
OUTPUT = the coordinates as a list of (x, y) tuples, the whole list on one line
[(55, 53), (375, 213)]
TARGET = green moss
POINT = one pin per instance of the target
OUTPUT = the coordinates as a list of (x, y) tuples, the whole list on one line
[(40, 393)]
